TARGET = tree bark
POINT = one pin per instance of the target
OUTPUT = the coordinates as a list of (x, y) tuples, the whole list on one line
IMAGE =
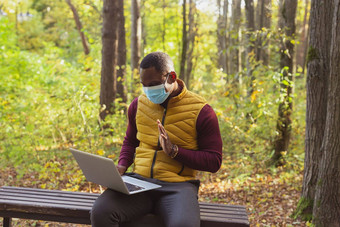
[(143, 29), (184, 42), (263, 21), (79, 27), (260, 22), (301, 48), (267, 15), (136, 25), (283, 126), (326, 210), (109, 60), (121, 61), (317, 84), (235, 59), (250, 49), (191, 41), (222, 24)]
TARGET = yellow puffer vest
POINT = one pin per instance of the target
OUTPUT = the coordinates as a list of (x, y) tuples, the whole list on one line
[(179, 120)]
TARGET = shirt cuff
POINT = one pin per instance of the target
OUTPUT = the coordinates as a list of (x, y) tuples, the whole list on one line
[(124, 162)]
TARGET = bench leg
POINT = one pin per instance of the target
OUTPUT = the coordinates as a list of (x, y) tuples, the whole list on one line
[(7, 222)]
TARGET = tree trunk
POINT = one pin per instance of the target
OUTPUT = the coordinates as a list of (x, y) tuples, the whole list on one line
[(235, 60), (266, 24), (260, 22), (250, 49), (301, 48), (184, 42), (283, 126), (191, 42), (222, 23), (136, 24), (143, 29), (326, 210), (79, 27), (109, 48), (263, 21), (317, 83), (121, 61)]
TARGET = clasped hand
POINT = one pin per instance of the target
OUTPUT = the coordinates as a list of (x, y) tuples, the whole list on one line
[(164, 138), (164, 141)]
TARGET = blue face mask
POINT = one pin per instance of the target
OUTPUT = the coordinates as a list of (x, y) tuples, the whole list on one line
[(157, 94)]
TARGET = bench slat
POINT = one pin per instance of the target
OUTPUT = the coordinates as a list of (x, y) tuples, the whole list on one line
[(74, 207), (43, 198), (222, 206), (7, 204), (228, 216), (46, 201), (48, 191), (65, 194), (222, 212)]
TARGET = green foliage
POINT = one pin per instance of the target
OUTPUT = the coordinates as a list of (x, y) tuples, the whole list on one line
[(47, 105), (49, 92)]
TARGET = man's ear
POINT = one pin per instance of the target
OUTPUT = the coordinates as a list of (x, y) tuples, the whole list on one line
[(173, 76)]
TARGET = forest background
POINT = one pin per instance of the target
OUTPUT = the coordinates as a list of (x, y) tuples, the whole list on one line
[(50, 93)]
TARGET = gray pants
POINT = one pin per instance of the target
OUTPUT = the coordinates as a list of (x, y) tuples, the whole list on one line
[(175, 203)]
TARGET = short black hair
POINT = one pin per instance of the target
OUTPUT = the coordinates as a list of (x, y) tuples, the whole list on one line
[(161, 61)]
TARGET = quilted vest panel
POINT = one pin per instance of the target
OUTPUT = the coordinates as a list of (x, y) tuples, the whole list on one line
[(179, 120)]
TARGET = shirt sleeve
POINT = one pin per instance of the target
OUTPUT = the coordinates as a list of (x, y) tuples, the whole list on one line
[(208, 157), (130, 142)]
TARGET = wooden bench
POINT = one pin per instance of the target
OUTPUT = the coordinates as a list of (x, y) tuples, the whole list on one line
[(74, 207)]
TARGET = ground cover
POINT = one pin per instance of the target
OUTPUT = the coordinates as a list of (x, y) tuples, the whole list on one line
[(270, 197)]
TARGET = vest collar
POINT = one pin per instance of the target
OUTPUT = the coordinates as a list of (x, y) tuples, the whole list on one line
[(182, 94)]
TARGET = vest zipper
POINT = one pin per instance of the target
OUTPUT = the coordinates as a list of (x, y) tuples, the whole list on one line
[(158, 145)]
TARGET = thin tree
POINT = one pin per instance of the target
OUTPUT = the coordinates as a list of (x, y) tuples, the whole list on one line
[(143, 29), (284, 123), (249, 5), (222, 38), (302, 46), (235, 53), (316, 110), (184, 42), (109, 60), (263, 21), (326, 210), (136, 29), (79, 27), (121, 61), (192, 30)]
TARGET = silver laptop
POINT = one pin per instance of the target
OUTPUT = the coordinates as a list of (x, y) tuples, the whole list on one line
[(101, 170)]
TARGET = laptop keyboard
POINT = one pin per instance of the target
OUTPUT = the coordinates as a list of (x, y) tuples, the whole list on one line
[(132, 187)]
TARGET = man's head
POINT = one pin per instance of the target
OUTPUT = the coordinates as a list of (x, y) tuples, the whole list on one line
[(159, 60), (157, 72)]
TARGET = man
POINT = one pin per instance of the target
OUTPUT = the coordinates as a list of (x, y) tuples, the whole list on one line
[(171, 134)]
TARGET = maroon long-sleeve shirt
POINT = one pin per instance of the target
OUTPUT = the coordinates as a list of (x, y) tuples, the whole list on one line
[(208, 157)]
